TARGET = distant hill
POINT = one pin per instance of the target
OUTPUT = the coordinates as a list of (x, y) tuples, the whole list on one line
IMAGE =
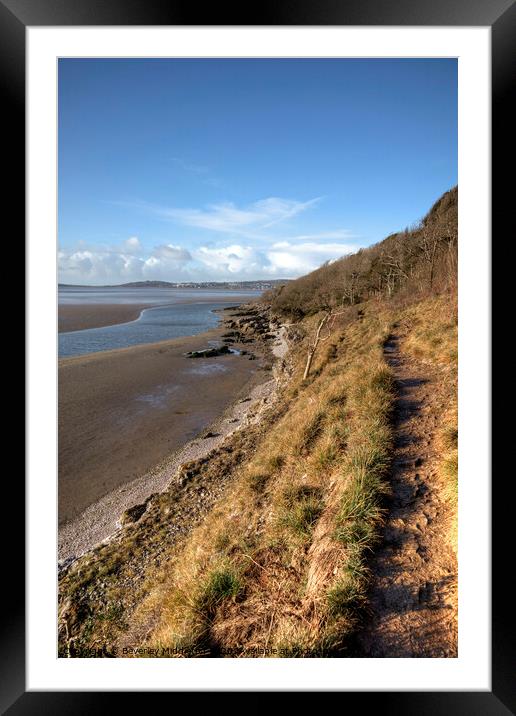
[(227, 285)]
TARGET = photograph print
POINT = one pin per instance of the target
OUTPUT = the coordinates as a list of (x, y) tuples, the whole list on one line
[(257, 372)]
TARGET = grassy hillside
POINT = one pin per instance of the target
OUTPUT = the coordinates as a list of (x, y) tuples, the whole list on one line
[(280, 562), (280, 565)]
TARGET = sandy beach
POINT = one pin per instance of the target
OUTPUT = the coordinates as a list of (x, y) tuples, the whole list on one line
[(77, 317), (100, 521), (122, 412)]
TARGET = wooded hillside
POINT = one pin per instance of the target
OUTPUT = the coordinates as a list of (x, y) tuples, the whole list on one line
[(420, 259)]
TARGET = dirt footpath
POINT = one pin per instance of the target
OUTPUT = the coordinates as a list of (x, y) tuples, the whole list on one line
[(413, 602)]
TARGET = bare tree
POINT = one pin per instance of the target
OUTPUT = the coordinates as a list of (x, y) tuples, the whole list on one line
[(433, 237), (327, 320), (396, 260), (313, 346), (422, 257), (351, 286)]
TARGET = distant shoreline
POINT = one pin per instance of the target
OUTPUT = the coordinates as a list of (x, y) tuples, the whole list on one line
[(258, 285), (81, 316)]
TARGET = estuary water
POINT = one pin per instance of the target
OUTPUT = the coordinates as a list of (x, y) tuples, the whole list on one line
[(178, 313)]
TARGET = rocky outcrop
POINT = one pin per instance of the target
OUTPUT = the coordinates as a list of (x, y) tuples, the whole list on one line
[(134, 513), (209, 352)]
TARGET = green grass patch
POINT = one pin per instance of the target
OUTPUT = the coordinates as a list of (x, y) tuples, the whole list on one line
[(302, 508), (221, 585), (346, 596)]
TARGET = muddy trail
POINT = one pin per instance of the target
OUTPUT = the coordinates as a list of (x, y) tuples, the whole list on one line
[(412, 607)]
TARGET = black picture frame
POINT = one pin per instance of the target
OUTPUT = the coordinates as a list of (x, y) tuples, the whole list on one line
[(500, 15)]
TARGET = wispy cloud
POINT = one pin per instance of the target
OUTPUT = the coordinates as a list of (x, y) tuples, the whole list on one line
[(239, 243), (228, 218), (322, 236)]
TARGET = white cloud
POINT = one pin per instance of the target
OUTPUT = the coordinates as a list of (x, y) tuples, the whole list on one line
[(283, 260), (97, 267), (111, 265), (228, 218), (166, 260), (132, 245), (286, 258), (232, 259), (172, 253)]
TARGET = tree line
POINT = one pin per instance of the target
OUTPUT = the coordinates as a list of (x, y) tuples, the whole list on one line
[(420, 259)]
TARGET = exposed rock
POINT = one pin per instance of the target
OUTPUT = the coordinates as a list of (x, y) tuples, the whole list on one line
[(133, 514), (209, 352)]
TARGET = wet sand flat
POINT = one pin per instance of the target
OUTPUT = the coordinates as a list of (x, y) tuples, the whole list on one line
[(121, 412), (77, 317)]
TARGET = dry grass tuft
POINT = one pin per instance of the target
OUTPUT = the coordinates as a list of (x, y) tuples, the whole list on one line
[(433, 339), (449, 467), (433, 330)]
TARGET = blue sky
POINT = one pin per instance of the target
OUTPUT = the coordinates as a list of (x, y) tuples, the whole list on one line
[(243, 169)]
